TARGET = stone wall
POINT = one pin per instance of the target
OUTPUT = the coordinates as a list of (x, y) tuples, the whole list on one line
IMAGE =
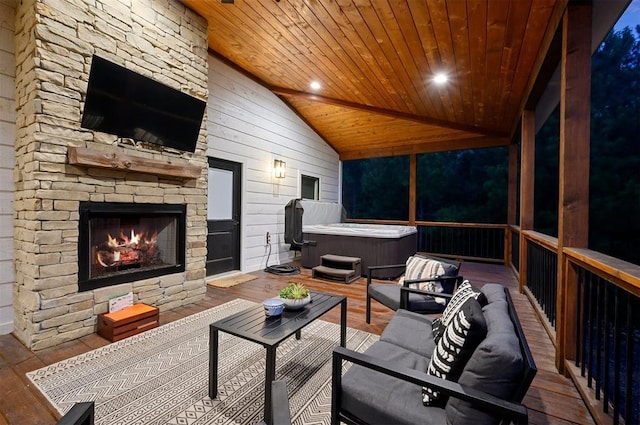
[(55, 41)]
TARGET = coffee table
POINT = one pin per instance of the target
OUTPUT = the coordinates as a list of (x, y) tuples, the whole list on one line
[(253, 325)]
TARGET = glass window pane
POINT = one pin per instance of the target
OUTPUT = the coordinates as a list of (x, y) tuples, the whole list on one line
[(376, 188)]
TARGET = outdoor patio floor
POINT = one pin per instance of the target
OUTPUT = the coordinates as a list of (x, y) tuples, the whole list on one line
[(552, 398)]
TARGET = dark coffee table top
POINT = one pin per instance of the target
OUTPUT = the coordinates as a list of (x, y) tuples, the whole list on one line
[(252, 324)]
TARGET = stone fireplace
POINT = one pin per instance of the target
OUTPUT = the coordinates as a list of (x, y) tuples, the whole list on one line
[(75, 186)]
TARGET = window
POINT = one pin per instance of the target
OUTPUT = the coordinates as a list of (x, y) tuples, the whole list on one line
[(376, 188), (310, 188)]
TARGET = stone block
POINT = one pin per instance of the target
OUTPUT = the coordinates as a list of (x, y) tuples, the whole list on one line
[(70, 327), (58, 270), (173, 290), (169, 305), (59, 292), (78, 298), (196, 274), (193, 284), (59, 338), (66, 319), (171, 280), (47, 259), (101, 295), (49, 237), (41, 315)]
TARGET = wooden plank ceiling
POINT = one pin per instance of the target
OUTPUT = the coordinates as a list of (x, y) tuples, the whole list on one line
[(375, 60)]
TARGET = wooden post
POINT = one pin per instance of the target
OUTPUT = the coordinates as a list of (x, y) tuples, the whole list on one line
[(512, 198), (573, 205), (413, 166), (527, 177)]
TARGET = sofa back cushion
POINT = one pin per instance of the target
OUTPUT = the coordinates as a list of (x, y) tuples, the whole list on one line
[(496, 366)]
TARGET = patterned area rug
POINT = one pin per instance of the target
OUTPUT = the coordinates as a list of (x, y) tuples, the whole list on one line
[(161, 376)]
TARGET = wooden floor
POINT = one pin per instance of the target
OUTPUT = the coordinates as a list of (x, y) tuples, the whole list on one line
[(552, 399)]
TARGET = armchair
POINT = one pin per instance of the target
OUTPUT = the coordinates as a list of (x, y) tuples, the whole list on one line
[(427, 272)]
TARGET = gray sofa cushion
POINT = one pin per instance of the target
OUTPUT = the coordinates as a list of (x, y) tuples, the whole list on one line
[(389, 295), (379, 399), (496, 366), (411, 331)]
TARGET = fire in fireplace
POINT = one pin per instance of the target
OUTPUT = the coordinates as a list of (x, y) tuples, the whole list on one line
[(124, 242)]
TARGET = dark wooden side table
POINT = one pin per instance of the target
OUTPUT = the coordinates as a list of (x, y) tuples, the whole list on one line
[(253, 325)]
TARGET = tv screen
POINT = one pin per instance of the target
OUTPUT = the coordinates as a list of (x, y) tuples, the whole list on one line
[(127, 104)]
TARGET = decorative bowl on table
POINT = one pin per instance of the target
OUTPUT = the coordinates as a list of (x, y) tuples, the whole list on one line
[(273, 307), (295, 296), (296, 304)]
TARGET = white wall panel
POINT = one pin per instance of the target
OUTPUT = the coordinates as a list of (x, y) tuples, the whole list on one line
[(7, 137), (250, 125)]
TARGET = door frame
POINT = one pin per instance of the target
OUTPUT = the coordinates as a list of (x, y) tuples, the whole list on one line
[(236, 169)]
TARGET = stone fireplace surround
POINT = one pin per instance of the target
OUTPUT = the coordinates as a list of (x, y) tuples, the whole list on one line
[(54, 46)]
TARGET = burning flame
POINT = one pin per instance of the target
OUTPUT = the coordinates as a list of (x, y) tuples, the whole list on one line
[(127, 249)]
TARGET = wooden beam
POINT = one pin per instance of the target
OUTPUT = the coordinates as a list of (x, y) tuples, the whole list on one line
[(124, 162), (387, 112), (573, 205), (550, 32), (427, 147)]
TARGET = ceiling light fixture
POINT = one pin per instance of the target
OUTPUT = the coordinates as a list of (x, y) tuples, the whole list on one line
[(440, 78), (315, 85)]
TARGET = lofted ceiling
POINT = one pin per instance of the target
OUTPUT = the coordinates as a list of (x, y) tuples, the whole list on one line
[(375, 60)]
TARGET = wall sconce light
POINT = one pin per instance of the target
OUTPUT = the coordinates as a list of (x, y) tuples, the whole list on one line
[(279, 169)]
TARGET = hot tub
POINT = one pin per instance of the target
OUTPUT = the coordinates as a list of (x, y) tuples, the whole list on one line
[(375, 244)]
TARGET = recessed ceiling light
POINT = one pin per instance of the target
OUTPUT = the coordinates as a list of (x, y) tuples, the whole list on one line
[(440, 78), (315, 85)]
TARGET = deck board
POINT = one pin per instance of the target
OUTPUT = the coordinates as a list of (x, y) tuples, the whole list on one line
[(552, 398)]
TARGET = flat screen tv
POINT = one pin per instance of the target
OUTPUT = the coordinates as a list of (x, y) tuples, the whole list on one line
[(127, 104)]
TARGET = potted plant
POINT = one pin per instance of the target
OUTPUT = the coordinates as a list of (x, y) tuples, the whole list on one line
[(295, 296)]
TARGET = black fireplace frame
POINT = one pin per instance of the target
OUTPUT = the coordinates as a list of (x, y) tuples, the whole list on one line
[(88, 210)]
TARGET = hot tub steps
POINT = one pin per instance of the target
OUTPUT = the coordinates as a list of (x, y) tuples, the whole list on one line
[(338, 267)]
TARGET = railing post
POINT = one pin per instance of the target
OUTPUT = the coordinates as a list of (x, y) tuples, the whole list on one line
[(527, 177)]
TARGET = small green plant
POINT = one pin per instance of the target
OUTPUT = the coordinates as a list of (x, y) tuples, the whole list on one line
[(294, 291)]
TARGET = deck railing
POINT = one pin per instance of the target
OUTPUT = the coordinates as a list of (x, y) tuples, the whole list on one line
[(467, 241), (542, 273), (606, 324), (464, 241), (514, 255)]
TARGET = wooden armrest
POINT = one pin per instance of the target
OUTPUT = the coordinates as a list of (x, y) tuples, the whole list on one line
[(483, 401)]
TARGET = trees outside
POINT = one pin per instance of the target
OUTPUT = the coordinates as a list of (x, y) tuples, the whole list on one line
[(464, 186), (614, 181), (376, 188)]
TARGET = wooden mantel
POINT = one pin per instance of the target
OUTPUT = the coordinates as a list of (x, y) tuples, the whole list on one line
[(121, 161)]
